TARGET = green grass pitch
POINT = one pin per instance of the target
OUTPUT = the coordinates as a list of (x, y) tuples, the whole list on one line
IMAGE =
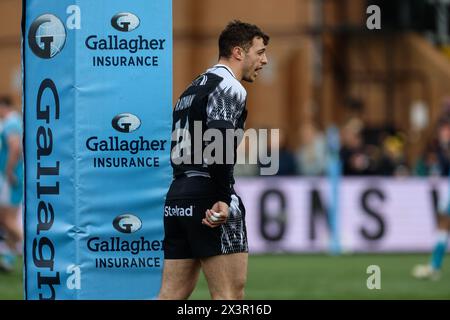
[(292, 277), (313, 277)]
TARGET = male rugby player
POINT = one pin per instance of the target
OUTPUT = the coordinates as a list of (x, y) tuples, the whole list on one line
[(432, 270), (11, 181), (204, 219)]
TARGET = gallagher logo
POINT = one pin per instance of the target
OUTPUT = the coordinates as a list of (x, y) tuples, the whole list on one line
[(47, 36), (127, 223), (125, 22), (126, 122)]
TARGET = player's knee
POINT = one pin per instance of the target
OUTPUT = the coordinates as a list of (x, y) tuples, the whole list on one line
[(234, 291), (178, 293), (238, 291), (228, 295)]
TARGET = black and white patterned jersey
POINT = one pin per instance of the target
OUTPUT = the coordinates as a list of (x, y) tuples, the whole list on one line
[(216, 99), (226, 103)]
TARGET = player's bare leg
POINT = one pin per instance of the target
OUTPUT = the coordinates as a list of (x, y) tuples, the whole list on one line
[(179, 278), (226, 275), (444, 223), (432, 270), (8, 219)]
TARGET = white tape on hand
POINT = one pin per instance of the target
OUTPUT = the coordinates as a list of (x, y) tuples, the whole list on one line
[(215, 216)]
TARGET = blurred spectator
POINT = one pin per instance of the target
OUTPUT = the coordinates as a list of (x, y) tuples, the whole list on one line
[(428, 163), (355, 160), (443, 145), (287, 164), (246, 161), (392, 162), (311, 155), (436, 158)]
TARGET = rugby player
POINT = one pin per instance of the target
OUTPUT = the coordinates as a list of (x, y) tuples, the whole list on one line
[(433, 269), (204, 219), (11, 181)]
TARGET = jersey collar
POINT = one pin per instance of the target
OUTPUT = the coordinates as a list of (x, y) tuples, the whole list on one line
[(219, 65)]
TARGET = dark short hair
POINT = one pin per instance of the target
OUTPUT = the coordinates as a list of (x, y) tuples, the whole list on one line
[(239, 34), (5, 101)]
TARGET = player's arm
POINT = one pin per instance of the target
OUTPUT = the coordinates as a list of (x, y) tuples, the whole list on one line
[(14, 153), (222, 111), (220, 172)]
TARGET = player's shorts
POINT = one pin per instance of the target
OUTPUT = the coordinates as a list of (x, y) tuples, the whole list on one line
[(10, 196), (187, 238)]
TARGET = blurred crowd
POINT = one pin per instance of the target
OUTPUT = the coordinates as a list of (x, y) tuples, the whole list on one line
[(363, 150)]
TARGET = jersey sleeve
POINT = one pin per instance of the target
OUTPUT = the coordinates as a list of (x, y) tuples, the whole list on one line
[(223, 111)]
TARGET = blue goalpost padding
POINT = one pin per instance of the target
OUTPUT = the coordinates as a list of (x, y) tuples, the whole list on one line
[(97, 114)]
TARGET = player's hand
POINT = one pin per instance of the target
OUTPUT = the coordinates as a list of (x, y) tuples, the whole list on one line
[(217, 215)]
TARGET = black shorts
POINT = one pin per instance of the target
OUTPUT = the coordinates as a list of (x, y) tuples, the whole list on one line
[(187, 238)]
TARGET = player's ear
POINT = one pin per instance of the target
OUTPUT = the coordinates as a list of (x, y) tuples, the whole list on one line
[(238, 53)]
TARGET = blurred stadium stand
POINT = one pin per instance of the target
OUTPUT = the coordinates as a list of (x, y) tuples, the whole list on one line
[(321, 57)]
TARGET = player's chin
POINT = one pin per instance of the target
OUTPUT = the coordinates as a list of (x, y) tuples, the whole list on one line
[(250, 78)]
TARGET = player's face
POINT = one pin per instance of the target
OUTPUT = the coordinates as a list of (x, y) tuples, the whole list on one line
[(254, 60)]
